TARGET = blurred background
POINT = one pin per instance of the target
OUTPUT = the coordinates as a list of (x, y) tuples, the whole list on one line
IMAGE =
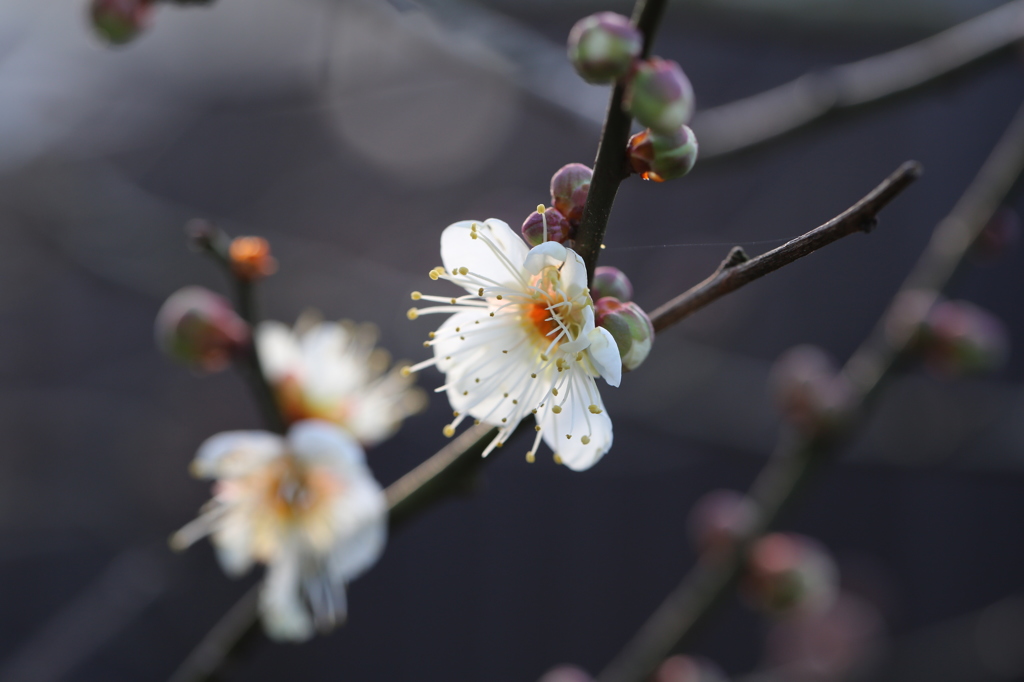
[(349, 133)]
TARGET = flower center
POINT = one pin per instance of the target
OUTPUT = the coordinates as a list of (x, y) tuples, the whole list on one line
[(542, 322)]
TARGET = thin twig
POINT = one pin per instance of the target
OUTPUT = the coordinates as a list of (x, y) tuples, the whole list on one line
[(610, 167), (736, 270), (753, 120), (691, 604)]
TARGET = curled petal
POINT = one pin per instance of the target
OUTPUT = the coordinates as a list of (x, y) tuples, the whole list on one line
[(548, 254), (278, 350), (236, 453), (604, 354), (584, 339), (574, 274)]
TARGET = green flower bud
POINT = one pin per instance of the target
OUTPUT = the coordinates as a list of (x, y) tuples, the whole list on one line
[(958, 338), (659, 96), (557, 229), (603, 46), (629, 326), (660, 158), (569, 188), (200, 328), (809, 390), (120, 21), (609, 281), (787, 572)]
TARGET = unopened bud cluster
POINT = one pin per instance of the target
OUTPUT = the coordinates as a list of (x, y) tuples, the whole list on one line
[(606, 48), (628, 324), (569, 188)]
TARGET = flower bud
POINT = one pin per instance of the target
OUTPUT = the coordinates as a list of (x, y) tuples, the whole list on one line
[(200, 328), (688, 669), (659, 96), (660, 158), (603, 46), (566, 673), (120, 21), (609, 281), (960, 338), (629, 326), (557, 228), (250, 258), (569, 188), (719, 518), (790, 572), (809, 390)]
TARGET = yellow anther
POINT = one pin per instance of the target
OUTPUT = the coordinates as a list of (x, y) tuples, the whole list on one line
[(585, 440), (540, 208), (458, 329), (558, 458), (434, 274), (579, 356), (505, 395), (455, 414), (515, 402), (556, 409), (499, 444), (473, 235), (480, 291), (492, 314), (537, 427), (467, 393), (448, 430), (498, 297), (594, 409), (412, 314), (503, 420), (554, 391), (453, 301), (568, 436), (405, 371), (530, 459), (533, 376), (477, 422), (416, 295), (462, 338), (534, 411), (426, 344), (543, 357), (477, 380), (463, 270), (505, 352), (431, 335)]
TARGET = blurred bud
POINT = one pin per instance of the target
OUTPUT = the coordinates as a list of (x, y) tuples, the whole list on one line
[(790, 572), (551, 222), (629, 326), (999, 236), (609, 281), (566, 673), (603, 46), (809, 390), (719, 518), (660, 158), (569, 188), (120, 21), (250, 258), (960, 338), (659, 96), (688, 669), (200, 328)]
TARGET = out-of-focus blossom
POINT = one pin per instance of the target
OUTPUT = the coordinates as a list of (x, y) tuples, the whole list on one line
[(659, 96), (522, 341), (719, 518), (629, 326), (610, 281), (305, 505), (688, 669), (960, 338), (789, 572), (663, 157), (250, 258), (570, 186), (566, 673), (811, 393), (546, 225), (603, 46), (120, 21), (826, 645), (333, 371), (201, 329)]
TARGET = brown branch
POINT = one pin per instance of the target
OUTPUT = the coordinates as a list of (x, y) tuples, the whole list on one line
[(689, 606), (753, 120), (736, 270)]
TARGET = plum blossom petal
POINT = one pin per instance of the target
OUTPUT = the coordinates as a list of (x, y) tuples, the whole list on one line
[(458, 249), (604, 353)]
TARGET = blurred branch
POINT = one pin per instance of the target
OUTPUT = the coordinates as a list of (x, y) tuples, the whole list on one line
[(689, 606), (750, 121), (611, 166), (736, 270)]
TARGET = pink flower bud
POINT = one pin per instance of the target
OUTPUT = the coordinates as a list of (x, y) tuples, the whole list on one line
[(200, 328), (719, 518), (603, 46), (659, 158), (569, 188), (557, 229), (810, 392), (688, 669), (566, 673), (120, 21), (659, 96), (609, 281), (790, 572), (629, 326), (960, 338)]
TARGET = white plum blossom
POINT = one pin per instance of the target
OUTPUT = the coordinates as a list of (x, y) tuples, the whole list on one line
[(332, 371), (305, 505), (523, 341)]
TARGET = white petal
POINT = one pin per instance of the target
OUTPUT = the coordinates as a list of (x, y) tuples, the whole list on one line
[(233, 542), (284, 614), (459, 250), (604, 354), (236, 453), (324, 443), (544, 255), (577, 421), (278, 349), (574, 274), (363, 531), (585, 338)]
